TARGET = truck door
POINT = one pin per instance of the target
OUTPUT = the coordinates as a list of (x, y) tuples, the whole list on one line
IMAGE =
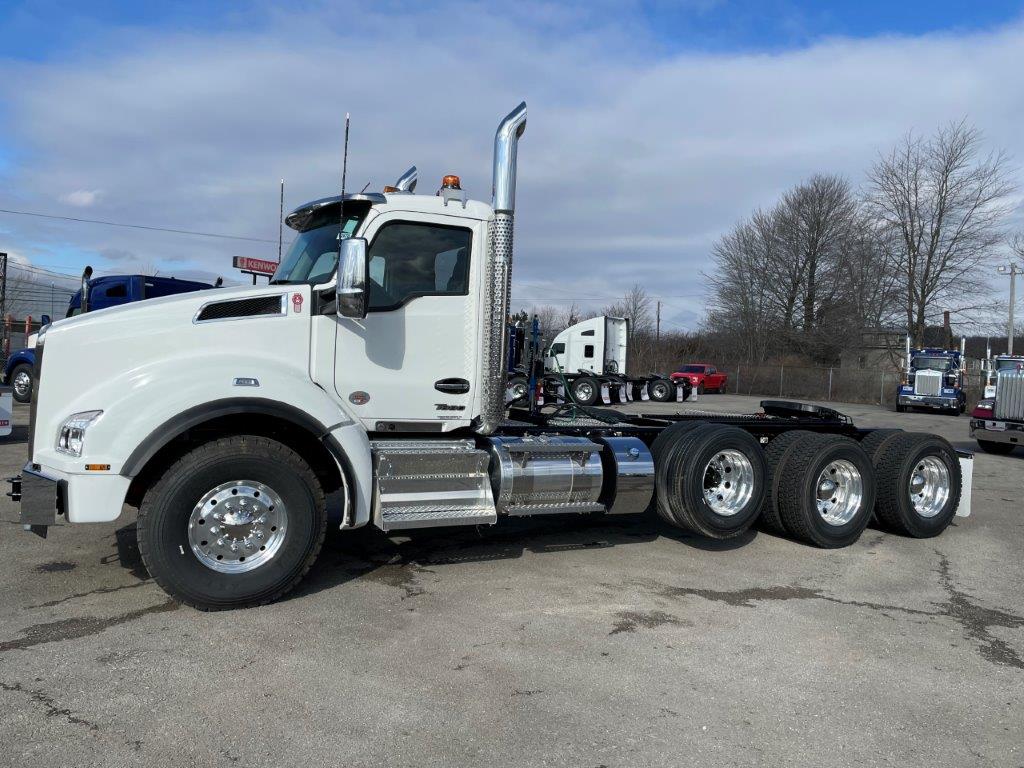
[(411, 364)]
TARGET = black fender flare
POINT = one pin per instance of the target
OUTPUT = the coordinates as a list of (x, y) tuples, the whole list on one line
[(193, 417)]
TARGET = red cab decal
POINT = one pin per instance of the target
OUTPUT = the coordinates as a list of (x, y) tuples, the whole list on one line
[(297, 302)]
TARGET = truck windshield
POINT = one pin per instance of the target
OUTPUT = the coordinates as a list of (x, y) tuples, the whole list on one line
[(691, 369), (313, 255), (1009, 365), (930, 363)]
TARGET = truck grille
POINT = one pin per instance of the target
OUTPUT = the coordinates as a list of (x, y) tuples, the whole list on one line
[(1010, 395), (927, 383)]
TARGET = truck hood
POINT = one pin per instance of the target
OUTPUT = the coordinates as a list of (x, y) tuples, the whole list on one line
[(142, 358), (162, 304)]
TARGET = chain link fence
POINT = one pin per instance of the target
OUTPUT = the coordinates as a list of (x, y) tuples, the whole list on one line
[(849, 385)]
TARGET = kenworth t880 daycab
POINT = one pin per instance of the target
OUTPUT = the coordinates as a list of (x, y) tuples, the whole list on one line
[(373, 366)]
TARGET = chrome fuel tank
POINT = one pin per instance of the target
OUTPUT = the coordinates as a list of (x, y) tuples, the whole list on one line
[(546, 474)]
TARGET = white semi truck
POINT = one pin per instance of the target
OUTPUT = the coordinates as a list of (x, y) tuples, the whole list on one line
[(586, 364), (372, 365)]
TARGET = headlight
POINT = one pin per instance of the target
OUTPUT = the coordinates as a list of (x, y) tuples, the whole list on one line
[(71, 436)]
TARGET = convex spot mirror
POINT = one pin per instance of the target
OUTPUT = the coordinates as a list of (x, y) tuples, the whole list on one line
[(353, 282)]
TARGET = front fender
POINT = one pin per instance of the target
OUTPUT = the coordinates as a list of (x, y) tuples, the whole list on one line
[(153, 403)]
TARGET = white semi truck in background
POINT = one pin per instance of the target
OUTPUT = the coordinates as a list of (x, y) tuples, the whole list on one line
[(373, 366), (586, 364)]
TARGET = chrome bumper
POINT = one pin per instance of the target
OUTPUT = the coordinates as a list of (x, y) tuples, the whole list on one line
[(928, 401), (997, 431)]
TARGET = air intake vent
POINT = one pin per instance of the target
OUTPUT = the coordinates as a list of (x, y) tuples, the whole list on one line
[(232, 310)]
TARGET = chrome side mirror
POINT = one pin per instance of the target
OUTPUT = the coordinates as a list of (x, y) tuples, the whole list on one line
[(353, 284)]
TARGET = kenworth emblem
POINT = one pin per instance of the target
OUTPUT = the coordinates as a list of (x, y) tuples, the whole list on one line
[(297, 302)]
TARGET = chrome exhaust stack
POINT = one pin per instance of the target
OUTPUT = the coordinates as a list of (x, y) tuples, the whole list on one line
[(499, 271), (407, 181)]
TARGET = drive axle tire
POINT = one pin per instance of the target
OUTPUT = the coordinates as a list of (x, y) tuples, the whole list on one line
[(234, 523), (919, 485), (826, 490), (775, 455), (996, 449), (662, 390), (876, 440), (712, 481), (585, 390)]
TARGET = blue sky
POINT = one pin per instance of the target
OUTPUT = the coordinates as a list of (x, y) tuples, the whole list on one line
[(653, 126), (40, 30)]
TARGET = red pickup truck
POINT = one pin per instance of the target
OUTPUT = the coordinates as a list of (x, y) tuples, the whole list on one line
[(702, 377)]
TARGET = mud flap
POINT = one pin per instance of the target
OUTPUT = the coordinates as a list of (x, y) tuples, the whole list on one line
[(644, 394), (605, 395), (967, 475), (679, 393)]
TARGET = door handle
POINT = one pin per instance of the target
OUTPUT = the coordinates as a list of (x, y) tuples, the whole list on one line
[(452, 386)]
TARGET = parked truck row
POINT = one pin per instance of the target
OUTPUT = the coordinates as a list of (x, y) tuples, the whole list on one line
[(584, 364), (373, 369)]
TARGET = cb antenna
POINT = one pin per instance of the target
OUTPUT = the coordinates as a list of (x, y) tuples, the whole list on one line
[(341, 205)]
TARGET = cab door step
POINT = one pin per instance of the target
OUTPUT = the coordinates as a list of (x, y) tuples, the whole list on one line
[(425, 483)]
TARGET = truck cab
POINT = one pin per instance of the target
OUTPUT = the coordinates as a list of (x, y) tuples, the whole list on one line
[(934, 379)]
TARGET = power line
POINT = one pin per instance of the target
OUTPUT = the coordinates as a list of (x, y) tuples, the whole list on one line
[(136, 226)]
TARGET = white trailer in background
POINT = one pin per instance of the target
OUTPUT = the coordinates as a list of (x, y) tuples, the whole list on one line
[(587, 362)]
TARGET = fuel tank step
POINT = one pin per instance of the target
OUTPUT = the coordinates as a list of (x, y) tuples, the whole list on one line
[(424, 483)]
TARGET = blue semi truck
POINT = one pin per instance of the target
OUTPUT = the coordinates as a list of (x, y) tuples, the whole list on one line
[(935, 379), (100, 293)]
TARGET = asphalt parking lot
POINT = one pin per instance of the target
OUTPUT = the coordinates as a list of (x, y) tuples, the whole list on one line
[(540, 642)]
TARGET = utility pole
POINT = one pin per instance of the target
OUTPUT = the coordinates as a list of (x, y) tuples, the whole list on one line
[(657, 324), (1004, 269)]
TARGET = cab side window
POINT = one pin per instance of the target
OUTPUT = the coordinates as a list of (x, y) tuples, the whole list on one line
[(408, 259)]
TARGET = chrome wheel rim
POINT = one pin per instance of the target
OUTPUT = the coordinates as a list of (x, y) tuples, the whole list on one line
[(518, 390), (22, 383), (660, 390), (929, 486), (584, 391), (728, 482), (237, 526), (840, 492)]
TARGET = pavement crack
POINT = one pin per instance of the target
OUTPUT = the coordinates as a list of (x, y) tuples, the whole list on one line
[(97, 591), (72, 629), (49, 704), (977, 621), (749, 597)]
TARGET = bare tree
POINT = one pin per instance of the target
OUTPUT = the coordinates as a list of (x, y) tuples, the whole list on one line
[(940, 204), (635, 305)]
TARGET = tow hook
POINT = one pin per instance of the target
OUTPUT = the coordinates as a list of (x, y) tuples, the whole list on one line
[(15, 493)]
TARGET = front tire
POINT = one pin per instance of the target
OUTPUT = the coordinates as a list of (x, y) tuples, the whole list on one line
[(234, 523), (22, 382)]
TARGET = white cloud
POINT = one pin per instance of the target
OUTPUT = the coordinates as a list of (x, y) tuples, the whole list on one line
[(81, 198), (632, 163)]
